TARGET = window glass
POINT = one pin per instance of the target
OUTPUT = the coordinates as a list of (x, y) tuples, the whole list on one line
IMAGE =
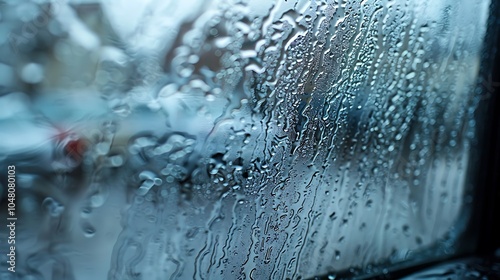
[(248, 139)]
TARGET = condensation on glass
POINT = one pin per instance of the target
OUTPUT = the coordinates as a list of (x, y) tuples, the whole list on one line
[(236, 139)]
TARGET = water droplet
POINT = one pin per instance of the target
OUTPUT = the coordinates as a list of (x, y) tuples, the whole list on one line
[(86, 211), (97, 200), (53, 207), (369, 203), (410, 75), (102, 148), (158, 181), (152, 218), (145, 187), (238, 163), (116, 161), (147, 175), (32, 73), (210, 97), (88, 231)]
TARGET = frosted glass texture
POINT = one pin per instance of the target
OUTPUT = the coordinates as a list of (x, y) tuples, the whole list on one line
[(250, 139)]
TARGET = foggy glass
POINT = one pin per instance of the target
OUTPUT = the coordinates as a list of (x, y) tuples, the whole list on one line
[(236, 139)]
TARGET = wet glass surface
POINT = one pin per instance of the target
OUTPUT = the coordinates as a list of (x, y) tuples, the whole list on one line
[(236, 139)]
